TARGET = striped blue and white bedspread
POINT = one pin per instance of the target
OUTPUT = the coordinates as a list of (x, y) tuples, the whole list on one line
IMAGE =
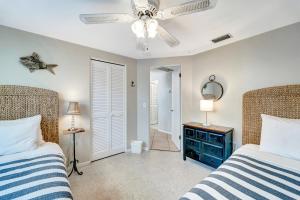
[(244, 176), (38, 176)]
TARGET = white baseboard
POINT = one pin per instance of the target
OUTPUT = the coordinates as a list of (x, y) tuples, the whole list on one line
[(164, 131), (84, 164)]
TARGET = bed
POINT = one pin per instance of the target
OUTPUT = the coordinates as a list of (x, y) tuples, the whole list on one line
[(39, 173), (250, 173)]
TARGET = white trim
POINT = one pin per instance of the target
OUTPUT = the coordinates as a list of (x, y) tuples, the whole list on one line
[(180, 96), (144, 148), (125, 108), (84, 164), (164, 131)]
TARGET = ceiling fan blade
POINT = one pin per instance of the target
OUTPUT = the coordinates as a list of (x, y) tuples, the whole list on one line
[(167, 37), (187, 8), (142, 45), (106, 18), (140, 4)]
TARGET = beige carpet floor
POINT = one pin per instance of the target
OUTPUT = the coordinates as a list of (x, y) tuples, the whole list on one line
[(153, 175), (161, 141)]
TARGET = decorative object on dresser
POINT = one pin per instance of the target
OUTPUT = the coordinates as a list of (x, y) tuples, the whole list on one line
[(75, 161), (206, 106), (73, 109), (212, 90), (34, 62), (211, 145)]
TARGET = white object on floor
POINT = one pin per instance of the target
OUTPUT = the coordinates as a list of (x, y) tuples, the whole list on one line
[(280, 136), (136, 146)]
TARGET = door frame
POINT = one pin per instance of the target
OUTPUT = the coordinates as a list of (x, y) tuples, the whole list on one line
[(180, 99), (152, 82), (90, 106)]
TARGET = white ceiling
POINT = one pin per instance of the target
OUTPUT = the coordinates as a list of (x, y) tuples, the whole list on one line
[(59, 19)]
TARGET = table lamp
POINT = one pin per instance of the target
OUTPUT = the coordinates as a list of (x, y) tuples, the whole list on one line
[(73, 109), (206, 106)]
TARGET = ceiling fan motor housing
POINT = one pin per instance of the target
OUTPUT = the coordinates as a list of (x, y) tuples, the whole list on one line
[(149, 10)]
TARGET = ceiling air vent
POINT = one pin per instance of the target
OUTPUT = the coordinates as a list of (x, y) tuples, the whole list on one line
[(166, 69), (221, 38)]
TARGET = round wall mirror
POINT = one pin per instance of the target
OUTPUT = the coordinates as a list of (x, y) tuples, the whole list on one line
[(212, 89)]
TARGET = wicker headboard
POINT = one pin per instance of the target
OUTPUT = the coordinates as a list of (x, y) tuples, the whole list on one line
[(21, 101), (283, 101)]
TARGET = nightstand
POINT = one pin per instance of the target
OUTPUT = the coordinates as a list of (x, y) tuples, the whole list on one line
[(75, 161), (211, 145)]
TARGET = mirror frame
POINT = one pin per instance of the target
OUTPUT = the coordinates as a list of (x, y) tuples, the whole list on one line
[(212, 80)]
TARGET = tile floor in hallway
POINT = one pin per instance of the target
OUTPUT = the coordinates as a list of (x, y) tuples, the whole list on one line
[(161, 141)]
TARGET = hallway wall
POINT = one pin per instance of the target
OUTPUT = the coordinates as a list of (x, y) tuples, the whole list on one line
[(164, 99)]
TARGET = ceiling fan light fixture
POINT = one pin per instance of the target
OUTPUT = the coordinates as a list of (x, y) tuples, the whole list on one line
[(138, 28), (152, 25)]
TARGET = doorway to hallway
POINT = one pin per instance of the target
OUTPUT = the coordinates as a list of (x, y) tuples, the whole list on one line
[(165, 109)]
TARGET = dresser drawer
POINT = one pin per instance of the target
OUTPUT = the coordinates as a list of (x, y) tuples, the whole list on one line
[(191, 153), (212, 161), (216, 139), (212, 150), (201, 135), (196, 145), (189, 133)]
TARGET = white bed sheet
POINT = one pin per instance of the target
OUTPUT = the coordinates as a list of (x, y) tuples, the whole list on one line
[(250, 174), (252, 150), (45, 148)]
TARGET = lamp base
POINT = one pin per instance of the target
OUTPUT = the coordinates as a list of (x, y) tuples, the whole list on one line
[(205, 124)]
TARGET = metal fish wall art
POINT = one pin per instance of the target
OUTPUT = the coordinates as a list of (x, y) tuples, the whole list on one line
[(34, 62)]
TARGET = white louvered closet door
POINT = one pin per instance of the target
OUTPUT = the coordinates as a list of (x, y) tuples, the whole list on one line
[(108, 109), (117, 109)]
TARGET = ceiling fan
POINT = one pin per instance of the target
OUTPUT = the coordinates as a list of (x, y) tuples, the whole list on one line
[(145, 16)]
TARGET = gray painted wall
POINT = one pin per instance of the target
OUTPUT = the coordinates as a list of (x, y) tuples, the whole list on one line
[(269, 59), (72, 79)]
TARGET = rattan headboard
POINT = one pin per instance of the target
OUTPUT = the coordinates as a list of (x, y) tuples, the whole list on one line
[(22, 101), (283, 101)]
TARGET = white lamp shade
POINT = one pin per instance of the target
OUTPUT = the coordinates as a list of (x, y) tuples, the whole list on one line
[(206, 105), (73, 108)]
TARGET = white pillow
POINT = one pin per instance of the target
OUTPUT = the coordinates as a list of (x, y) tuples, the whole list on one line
[(36, 117), (280, 136), (20, 135)]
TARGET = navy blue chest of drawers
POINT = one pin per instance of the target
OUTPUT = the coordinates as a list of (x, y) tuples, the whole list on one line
[(211, 145)]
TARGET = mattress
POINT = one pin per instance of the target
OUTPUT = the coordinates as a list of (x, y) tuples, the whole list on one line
[(250, 174), (38, 174)]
